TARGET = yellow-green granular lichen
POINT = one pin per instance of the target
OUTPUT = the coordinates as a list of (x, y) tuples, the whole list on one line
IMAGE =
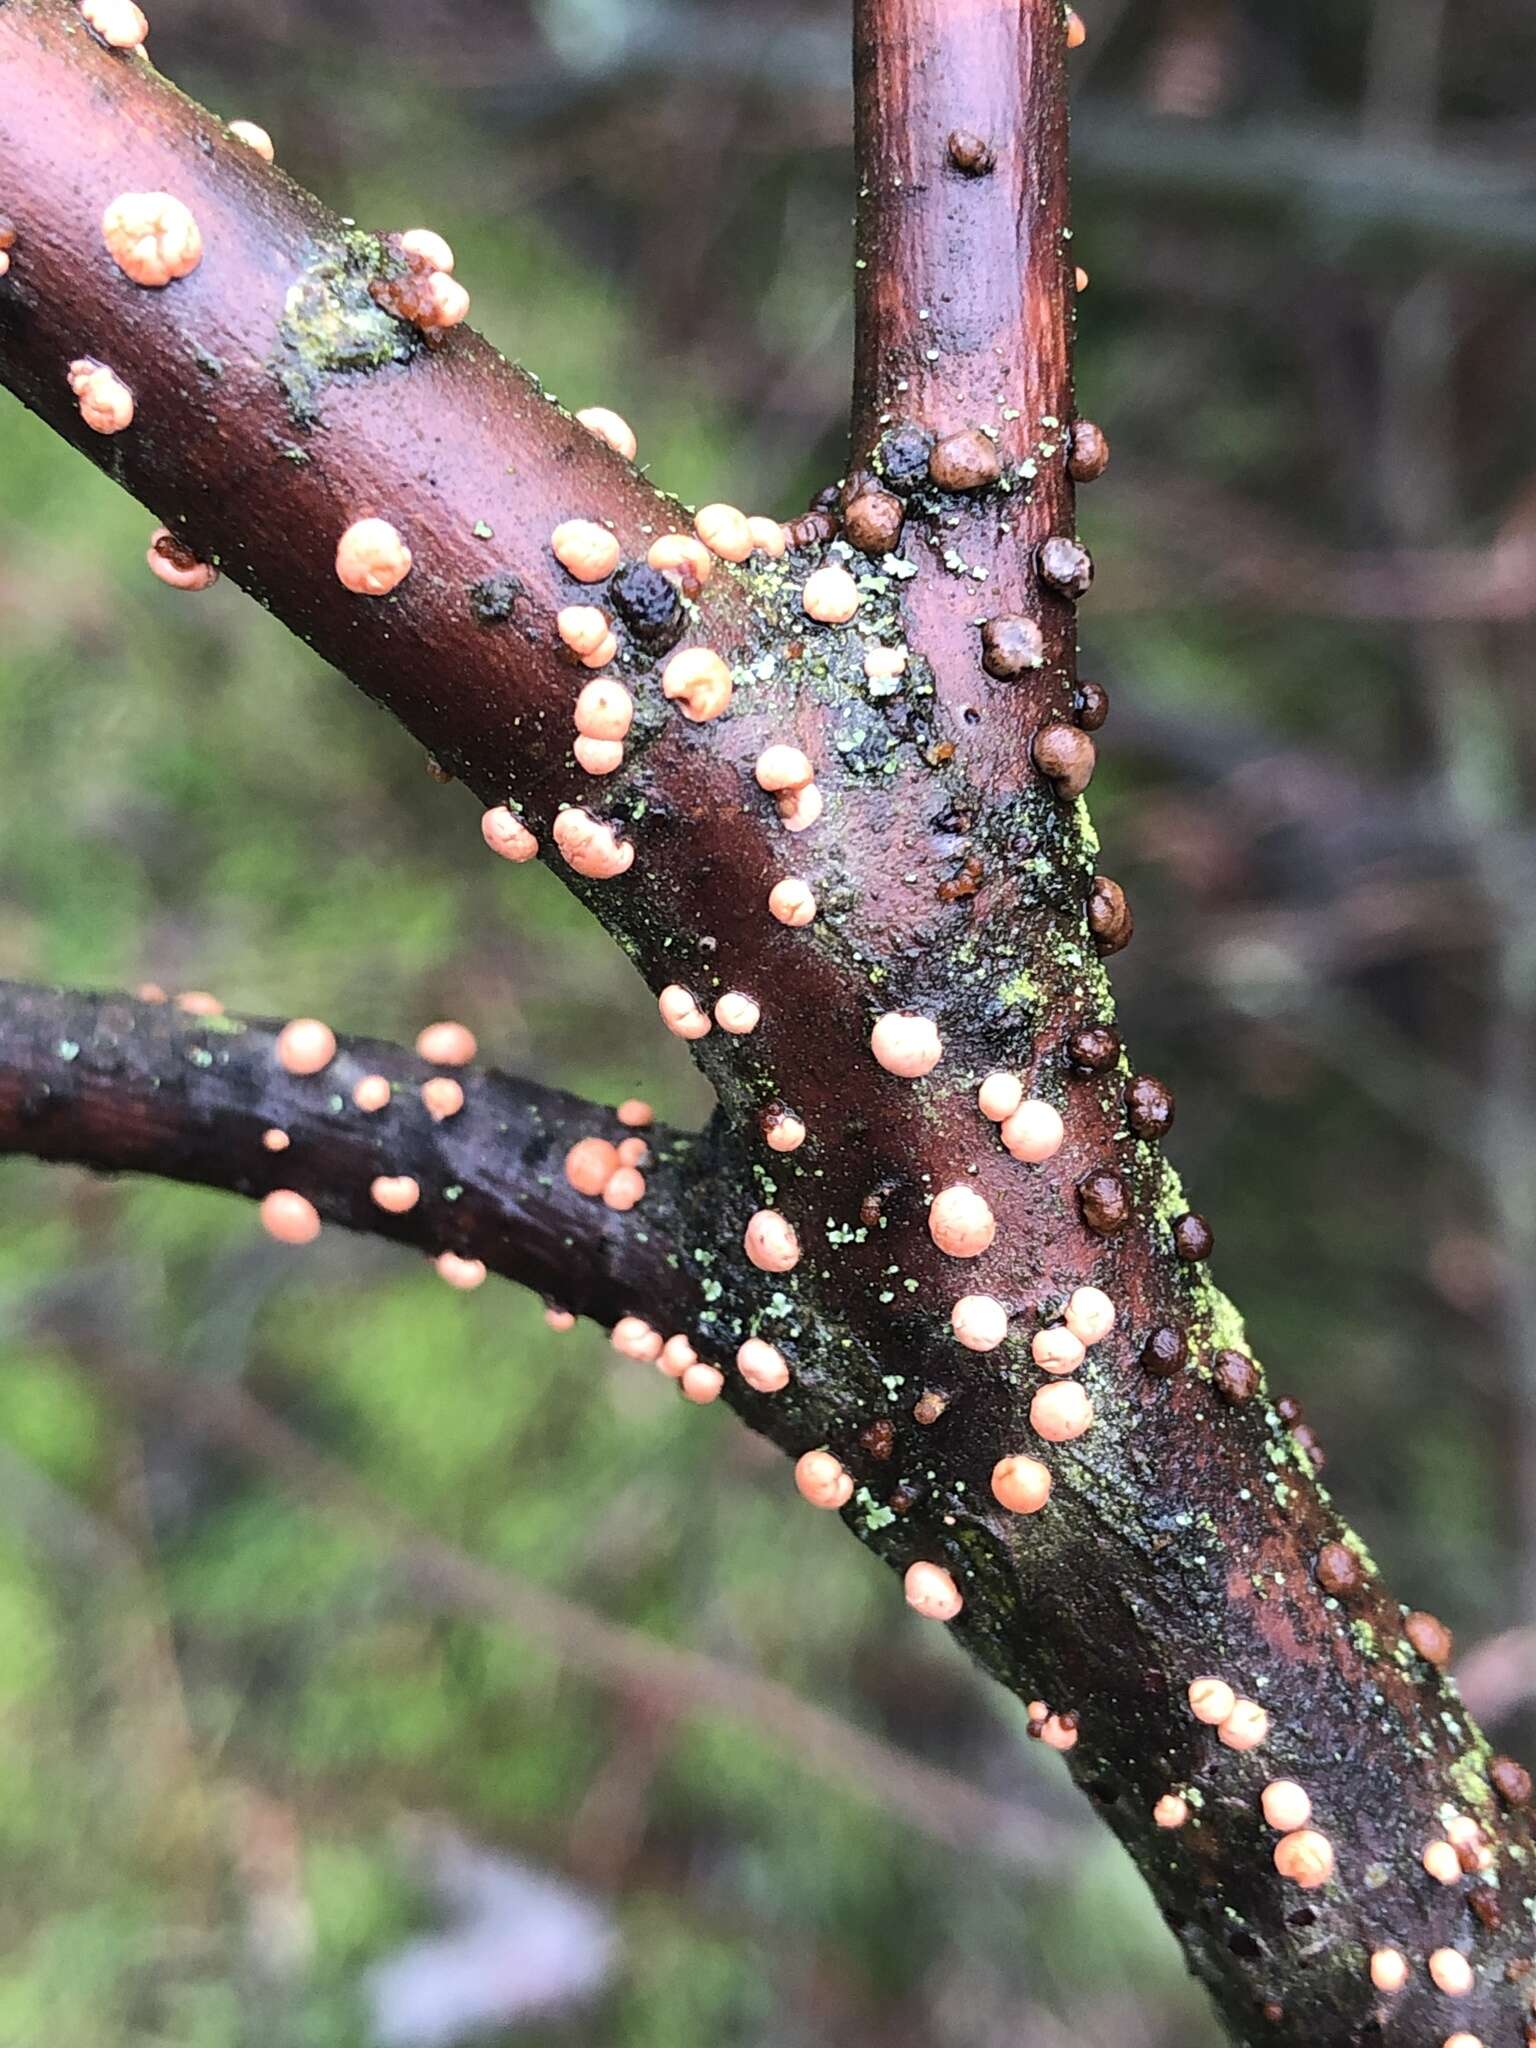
[(332, 325)]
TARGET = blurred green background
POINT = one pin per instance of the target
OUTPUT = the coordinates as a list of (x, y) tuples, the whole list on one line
[(266, 1779)]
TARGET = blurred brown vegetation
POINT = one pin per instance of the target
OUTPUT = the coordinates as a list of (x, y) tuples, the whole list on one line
[(256, 1750)]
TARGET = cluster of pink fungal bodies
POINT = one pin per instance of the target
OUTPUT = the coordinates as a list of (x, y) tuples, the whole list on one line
[(1304, 1855), (306, 1046), (696, 678), (610, 1173), (761, 1365), (154, 239), (607, 1172), (593, 1166), (699, 681), (962, 1225), (373, 559)]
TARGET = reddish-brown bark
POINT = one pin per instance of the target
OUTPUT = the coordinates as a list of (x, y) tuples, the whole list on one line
[(955, 879), (964, 308), (258, 449)]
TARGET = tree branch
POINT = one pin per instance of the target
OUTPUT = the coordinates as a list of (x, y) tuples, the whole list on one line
[(141, 1087), (962, 303), (953, 870), (964, 280), (277, 402)]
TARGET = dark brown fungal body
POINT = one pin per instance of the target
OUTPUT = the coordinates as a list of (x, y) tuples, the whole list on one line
[(1305, 1439), (1193, 1238), (175, 551), (1338, 1569), (971, 154), (1066, 756), (873, 521), (1511, 1781), (967, 461), (1430, 1637), (1165, 1352), (1105, 1203), (1090, 706), (1183, 1533), (879, 1439), (1090, 452), (1067, 566), (406, 291), (1149, 1107), (1236, 1379), (1109, 917), (1094, 1048), (810, 530)]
